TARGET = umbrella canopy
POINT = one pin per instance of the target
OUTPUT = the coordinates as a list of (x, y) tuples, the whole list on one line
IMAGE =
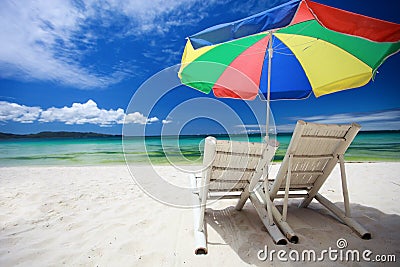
[(287, 52)]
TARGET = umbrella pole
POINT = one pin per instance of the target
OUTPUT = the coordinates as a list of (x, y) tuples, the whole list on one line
[(270, 50), (268, 203)]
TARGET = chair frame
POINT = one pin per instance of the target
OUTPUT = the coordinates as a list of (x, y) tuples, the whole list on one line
[(287, 171), (231, 158)]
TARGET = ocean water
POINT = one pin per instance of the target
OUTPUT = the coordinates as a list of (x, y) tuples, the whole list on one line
[(367, 146)]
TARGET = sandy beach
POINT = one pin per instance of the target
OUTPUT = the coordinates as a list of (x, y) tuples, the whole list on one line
[(98, 216)]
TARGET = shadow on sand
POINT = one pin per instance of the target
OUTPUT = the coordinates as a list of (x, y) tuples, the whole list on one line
[(316, 227)]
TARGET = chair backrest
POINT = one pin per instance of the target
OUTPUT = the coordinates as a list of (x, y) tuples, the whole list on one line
[(314, 149), (232, 165)]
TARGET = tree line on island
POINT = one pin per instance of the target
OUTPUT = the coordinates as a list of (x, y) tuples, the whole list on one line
[(56, 135)]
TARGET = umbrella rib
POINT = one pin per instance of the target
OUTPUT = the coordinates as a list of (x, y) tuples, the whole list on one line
[(245, 46), (285, 54), (294, 35), (253, 36), (309, 42)]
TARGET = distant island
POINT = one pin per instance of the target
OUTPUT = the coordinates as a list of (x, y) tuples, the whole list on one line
[(56, 135), (83, 135)]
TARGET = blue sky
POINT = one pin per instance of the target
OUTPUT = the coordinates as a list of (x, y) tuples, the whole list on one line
[(75, 65)]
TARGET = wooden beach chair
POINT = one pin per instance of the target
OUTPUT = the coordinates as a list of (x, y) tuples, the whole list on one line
[(232, 170), (313, 152)]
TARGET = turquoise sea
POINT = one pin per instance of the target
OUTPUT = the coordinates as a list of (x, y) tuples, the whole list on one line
[(367, 146)]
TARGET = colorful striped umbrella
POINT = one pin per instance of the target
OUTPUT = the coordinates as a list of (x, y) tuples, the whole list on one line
[(287, 52)]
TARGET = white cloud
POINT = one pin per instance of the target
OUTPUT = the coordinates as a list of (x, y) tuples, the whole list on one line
[(48, 40), (83, 113), (153, 119), (378, 120), (369, 121), (137, 117), (285, 128), (147, 16), (18, 113), (39, 42), (78, 113), (166, 121), (250, 129)]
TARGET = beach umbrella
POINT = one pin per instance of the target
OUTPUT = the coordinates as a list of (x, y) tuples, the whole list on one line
[(289, 51)]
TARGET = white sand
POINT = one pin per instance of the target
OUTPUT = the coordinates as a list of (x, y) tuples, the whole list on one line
[(97, 216)]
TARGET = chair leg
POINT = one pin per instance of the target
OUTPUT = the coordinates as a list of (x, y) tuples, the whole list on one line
[(364, 234), (203, 194), (344, 186), (200, 236), (268, 203), (287, 187), (283, 225), (243, 198), (272, 229)]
